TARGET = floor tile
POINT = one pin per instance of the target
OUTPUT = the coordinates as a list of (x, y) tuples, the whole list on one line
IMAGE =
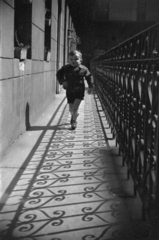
[(73, 185)]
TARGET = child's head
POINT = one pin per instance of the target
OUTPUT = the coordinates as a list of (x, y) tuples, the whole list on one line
[(75, 58)]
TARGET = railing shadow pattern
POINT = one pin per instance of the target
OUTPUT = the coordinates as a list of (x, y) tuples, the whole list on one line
[(127, 83), (65, 190)]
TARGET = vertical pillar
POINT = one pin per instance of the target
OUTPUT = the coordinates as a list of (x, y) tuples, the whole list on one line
[(58, 41), (62, 42), (66, 34), (157, 168), (60, 37), (69, 28), (54, 33)]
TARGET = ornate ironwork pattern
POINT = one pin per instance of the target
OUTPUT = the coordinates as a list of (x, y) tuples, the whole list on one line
[(68, 187), (127, 83)]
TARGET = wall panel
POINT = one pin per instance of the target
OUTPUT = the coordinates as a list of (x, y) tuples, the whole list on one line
[(35, 87), (123, 10)]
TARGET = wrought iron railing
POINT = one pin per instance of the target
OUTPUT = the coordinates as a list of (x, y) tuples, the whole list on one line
[(127, 83)]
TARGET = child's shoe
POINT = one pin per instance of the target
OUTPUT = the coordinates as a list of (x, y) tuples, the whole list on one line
[(71, 120), (73, 125)]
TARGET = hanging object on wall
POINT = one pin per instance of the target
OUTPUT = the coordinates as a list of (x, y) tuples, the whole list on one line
[(20, 53), (47, 56), (48, 21), (48, 17), (72, 35), (47, 33), (21, 66), (23, 29)]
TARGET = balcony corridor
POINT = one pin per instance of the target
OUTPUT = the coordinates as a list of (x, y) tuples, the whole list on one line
[(72, 185)]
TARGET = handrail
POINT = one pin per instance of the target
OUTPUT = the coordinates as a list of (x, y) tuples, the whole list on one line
[(127, 82), (127, 40)]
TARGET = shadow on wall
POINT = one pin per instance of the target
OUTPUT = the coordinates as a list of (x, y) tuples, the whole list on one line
[(27, 122)]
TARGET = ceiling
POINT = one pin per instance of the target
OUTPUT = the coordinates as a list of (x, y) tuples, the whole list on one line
[(81, 12)]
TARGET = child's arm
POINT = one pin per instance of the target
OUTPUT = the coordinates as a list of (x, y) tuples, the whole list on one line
[(89, 79), (60, 75)]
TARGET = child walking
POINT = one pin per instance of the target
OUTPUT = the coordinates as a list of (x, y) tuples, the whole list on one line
[(72, 77)]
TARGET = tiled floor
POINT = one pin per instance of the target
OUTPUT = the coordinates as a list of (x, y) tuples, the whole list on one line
[(72, 186)]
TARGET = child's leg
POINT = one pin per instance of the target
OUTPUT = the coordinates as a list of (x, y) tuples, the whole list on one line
[(76, 105), (71, 108), (71, 111)]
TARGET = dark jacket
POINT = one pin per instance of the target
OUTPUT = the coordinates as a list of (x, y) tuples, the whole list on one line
[(74, 77)]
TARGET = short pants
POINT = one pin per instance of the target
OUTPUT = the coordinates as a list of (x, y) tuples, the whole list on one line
[(71, 96)]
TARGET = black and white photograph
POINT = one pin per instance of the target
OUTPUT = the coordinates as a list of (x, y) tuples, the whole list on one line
[(79, 120)]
